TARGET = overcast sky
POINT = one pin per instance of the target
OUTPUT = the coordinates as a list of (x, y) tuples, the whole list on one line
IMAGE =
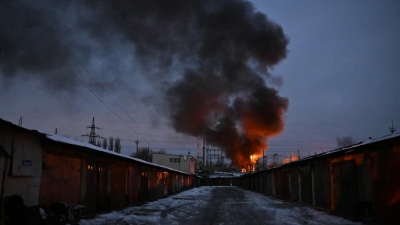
[(341, 77), (342, 74)]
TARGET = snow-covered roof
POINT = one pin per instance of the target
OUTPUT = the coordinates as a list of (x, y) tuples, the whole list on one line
[(65, 140), (347, 149), (363, 143), (351, 147)]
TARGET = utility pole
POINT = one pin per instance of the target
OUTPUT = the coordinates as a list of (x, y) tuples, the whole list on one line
[(207, 155), (392, 129), (92, 135), (199, 156), (210, 157), (214, 154), (221, 158), (204, 146), (137, 146)]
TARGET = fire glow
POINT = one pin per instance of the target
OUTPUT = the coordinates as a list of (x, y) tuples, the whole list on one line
[(250, 166)]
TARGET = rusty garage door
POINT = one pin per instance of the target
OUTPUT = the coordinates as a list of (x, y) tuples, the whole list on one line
[(61, 179)]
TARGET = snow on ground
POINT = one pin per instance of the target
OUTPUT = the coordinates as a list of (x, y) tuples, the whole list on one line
[(297, 215), (151, 212), (190, 203)]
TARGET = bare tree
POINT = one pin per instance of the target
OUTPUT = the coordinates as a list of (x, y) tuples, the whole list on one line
[(111, 143), (344, 141), (143, 153), (117, 147), (162, 151), (105, 143)]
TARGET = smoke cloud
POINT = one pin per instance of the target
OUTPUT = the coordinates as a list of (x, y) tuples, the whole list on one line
[(211, 58)]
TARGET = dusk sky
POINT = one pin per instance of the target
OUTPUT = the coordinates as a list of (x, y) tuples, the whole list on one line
[(341, 73)]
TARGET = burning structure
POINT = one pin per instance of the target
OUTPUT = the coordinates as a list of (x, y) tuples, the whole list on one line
[(209, 59)]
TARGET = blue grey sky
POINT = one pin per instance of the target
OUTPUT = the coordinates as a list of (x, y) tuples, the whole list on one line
[(341, 76)]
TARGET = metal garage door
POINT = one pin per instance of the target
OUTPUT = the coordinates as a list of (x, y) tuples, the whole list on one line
[(61, 179)]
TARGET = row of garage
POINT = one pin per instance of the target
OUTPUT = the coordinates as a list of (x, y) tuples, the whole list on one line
[(44, 169), (361, 181)]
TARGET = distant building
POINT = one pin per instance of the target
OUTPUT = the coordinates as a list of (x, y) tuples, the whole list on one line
[(185, 163)]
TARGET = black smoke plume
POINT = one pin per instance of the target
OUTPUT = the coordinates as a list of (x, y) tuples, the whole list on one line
[(212, 56)]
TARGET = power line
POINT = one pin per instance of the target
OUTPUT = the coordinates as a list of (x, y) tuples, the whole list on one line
[(102, 88)]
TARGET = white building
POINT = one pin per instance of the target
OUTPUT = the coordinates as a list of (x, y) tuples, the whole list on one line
[(185, 163)]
